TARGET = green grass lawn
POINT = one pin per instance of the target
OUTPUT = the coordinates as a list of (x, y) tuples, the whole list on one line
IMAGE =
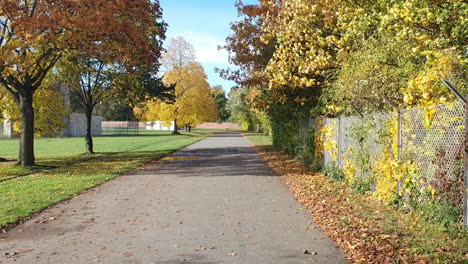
[(258, 139), (63, 171)]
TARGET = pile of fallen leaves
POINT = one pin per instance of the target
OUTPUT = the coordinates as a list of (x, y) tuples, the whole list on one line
[(365, 229)]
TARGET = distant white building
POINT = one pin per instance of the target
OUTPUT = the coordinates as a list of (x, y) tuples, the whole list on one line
[(6, 129), (75, 123), (159, 125)]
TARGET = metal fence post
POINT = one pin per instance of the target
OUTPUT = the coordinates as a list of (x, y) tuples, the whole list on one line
[(338, 142), (465, 170), (465, 151), (400, 142)]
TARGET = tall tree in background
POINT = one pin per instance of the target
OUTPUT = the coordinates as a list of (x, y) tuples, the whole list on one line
[(34, 35), (193, 103), (179, 54), (220, 98)]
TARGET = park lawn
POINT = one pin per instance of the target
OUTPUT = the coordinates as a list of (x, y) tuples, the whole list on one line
[(53, 147), (62, 175)]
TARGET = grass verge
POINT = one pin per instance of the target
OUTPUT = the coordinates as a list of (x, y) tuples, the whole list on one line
[(365, 229), (26, 190), (214, 130), (259, 139)]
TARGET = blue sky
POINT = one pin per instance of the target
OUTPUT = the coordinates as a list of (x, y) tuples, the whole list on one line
[(204, 24)]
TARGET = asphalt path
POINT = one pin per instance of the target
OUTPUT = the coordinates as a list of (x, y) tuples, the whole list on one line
[(213, 202)]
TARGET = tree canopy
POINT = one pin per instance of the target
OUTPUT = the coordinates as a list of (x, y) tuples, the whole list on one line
[(321, 57), (35, 35), (193, 103)]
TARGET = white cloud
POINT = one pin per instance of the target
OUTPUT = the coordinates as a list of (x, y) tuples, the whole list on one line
[(206, 47)]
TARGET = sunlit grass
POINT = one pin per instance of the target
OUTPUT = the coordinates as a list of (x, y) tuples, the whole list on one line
[(63, 171)]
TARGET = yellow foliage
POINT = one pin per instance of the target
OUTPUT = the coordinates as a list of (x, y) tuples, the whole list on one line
[(426, 89), (328, 137), (388, 173), (49, 110), (245, 126), (193, 101), (349, 169), (303, 53)]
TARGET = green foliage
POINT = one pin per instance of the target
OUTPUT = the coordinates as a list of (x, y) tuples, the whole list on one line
[(309, 153), (360, 157), (144, 84), (331, 170), (239, 108), (220, 98), (115, 111), (285, 130), (438, 212), (379, 68), (288, 136)]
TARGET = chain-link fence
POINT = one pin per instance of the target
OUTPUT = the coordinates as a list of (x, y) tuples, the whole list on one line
[(435, 145), (427, 141), (117, 128)]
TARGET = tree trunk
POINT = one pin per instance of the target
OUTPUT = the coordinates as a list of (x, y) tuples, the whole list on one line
[(26, 148), (175, 132), (189, 128), (88, 137)]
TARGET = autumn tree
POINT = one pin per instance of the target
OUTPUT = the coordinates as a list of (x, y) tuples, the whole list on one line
[(246, 48), (178, 54), (251, 54), (356, 52), (193, 103), (90, 82), (34, 35), (119, 104)]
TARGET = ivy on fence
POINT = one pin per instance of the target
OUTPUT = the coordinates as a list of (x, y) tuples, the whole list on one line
[(424, 171)]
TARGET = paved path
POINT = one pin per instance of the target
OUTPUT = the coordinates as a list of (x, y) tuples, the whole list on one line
[(223, 207)]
